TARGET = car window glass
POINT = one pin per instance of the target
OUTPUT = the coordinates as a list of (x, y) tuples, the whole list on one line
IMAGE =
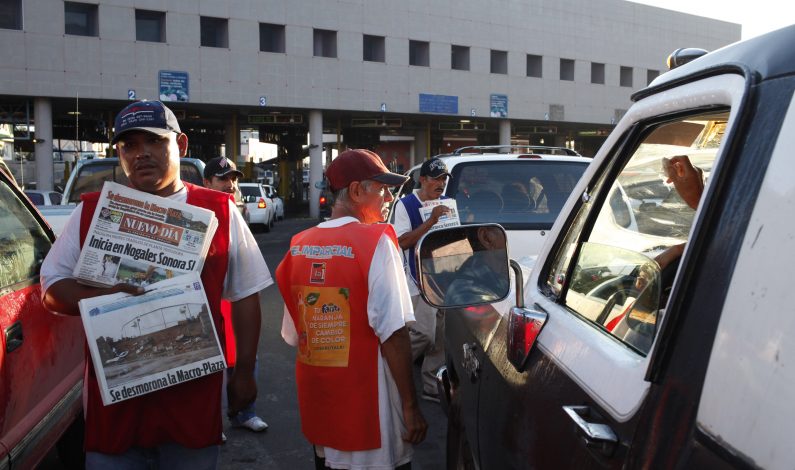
[(252, 191), (55, 198), (36, 198), (92, 177), (523, 194), (23, 243), (188, 172), (629, 259)]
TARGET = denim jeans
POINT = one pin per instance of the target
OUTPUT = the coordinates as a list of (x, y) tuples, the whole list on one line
[(166, 457)]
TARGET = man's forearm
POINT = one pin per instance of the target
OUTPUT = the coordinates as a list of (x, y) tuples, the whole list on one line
[(246, 319), (63, 296), (409, 239)]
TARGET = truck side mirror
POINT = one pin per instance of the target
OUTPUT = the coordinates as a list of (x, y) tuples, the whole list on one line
[(463, 266)]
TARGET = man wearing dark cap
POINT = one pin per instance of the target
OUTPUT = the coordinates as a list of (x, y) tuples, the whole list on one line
[(221, 174), (427, 334), (177, 427), (346, 307)]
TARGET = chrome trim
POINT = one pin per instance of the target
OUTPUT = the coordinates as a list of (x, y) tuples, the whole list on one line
[(596, 435), (57, 414), (444, 389)]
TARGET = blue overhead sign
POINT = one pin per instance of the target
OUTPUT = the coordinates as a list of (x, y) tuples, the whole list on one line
[(499, 106), (439, 104), (173, 86)]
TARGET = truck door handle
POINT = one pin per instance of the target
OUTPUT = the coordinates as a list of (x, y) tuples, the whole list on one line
[(597, 436), (13, 336)]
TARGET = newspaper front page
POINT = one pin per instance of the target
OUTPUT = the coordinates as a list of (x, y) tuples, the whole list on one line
[(139, 238), (449, 219), (141, 344)]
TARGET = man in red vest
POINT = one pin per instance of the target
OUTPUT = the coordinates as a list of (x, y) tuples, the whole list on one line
[(177, 427), (221, 174), (346, 308)]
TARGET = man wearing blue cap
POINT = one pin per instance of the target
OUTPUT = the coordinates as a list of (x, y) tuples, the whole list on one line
[(178, 427)]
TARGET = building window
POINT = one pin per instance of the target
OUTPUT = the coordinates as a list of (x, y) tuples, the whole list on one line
[(419, 53), (499, 62), (533, 65), (626, 76), (150, 26), (567, 69), (80, 19), (10, 14), (374, 48), (271, 37), (459, 58), (214, 32), (597, 73), (325, 43), (651, 75)]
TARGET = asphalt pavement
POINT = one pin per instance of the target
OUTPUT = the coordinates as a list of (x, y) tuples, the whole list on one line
[(282, 446)]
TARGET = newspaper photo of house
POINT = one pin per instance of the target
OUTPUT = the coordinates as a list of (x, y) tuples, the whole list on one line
[(140, 344)]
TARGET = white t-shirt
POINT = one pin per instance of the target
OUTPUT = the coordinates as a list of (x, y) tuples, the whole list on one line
[(388, 310), (402, 225), (246, 272)]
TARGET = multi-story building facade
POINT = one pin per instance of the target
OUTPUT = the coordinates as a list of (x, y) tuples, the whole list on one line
[(488, 72)]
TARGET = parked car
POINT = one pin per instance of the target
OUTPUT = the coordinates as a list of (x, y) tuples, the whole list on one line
[(259, 207), (521, 187), (609, 356), (44, 198), (41, 358), (278, 203), (89, 176)]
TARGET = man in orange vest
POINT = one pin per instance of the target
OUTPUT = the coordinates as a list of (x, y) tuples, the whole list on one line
[(346, 308), (178, 427)]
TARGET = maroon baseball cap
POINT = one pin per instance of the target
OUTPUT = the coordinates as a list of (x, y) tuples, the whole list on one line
[(359, 165)]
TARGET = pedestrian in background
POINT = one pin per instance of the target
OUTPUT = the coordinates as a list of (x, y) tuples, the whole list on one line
[(427, 333), (178, 427), (346, 308), (221, 174)]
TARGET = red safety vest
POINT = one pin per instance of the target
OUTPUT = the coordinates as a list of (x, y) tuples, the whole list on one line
[(188, 414), (324, 282)]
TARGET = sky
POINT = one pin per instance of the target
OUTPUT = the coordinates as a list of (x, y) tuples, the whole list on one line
[(756, 17)]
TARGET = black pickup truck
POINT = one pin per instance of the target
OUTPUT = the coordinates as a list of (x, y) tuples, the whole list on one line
[(654, 330)]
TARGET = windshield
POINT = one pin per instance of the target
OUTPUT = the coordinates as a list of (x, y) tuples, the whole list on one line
[(519, 194)]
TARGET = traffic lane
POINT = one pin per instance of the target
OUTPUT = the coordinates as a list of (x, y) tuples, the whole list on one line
[(283, 446)]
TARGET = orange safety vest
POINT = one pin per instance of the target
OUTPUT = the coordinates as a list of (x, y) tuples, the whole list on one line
[(324, 282), (188, 414)]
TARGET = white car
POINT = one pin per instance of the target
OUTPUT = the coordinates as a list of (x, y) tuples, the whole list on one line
[(259, 207), (523, 189), (278, 203)]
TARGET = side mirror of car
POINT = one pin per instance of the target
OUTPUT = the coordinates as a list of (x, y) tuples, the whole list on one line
[(463, 266)]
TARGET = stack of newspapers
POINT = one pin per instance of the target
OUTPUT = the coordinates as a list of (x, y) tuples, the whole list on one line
[(166, 336)]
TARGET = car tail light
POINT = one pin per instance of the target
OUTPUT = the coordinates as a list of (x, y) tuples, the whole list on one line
[(322, 200), (524, 326), (261, 204)]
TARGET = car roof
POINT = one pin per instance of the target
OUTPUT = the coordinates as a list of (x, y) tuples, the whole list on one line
[(760, 58), (453, 159), (99, 161)]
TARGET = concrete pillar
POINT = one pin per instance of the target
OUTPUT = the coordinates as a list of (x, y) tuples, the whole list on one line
[(505, 133), (42, 112), (232, 143), (421, 140), (315, 161)]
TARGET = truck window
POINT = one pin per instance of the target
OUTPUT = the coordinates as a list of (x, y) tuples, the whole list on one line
[(23, 243), (92, 177), (617, 277)]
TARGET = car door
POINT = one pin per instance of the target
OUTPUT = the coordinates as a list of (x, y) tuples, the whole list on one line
[(41, 355), (575, 401)]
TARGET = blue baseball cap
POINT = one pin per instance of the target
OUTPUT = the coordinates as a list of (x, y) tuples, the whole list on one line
[(148, 116)]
